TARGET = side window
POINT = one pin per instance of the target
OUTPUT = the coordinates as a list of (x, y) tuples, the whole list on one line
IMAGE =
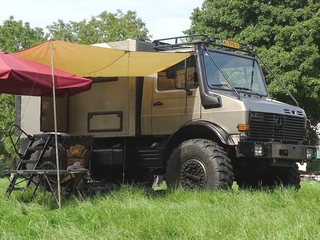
[(165, 82), (183, 75)]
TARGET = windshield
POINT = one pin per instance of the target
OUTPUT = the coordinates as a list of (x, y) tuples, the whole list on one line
[(243, 73)]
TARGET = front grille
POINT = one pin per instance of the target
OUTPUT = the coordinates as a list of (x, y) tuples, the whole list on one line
[(276, 127)]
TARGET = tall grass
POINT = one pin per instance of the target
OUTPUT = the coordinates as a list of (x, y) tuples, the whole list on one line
[(133, 213)]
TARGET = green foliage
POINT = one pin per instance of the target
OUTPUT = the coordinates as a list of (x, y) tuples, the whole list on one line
[(130, 213), (286, 34), (15, 36), (313, 166), (7, 105), (106, 27), (4, 164)]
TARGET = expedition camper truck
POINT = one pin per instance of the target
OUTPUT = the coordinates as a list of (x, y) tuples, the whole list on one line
[(201, 124)]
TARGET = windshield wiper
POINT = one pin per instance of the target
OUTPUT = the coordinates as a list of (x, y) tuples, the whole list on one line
[(217, 85), (248, 89)]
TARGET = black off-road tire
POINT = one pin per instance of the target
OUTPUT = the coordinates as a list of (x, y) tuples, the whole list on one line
[(290, 177), (199, 164), (48, 165), (249, 182), (285, 177)]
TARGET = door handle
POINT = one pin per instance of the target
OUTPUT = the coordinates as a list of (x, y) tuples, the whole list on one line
[(158, 103)]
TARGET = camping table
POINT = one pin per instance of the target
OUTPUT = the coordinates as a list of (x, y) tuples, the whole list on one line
[(70, 178)]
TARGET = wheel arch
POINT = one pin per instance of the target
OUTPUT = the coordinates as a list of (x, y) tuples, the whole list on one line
[(41, 142), (49, 154), (196, 129)]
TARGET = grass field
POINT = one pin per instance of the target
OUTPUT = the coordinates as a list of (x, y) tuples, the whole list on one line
[(132, 213)]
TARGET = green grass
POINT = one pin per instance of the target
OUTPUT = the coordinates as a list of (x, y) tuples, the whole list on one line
[(131, 213)]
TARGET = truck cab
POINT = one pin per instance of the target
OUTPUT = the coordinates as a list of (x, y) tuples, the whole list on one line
[(220, 94)]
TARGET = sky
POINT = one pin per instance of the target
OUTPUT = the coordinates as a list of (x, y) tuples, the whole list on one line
[(163, 18)]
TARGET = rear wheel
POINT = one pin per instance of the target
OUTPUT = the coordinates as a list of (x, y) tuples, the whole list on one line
[(48, 165), (199, 164)]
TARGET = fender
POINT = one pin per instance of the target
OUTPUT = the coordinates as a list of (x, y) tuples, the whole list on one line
[(196, 129), (41, 142)]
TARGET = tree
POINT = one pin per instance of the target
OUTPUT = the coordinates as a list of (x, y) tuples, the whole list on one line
[(15, 36), (105, 27), (6, 119), (285, 33)]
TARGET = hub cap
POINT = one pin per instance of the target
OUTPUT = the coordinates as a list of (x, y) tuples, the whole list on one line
[(193, 175)]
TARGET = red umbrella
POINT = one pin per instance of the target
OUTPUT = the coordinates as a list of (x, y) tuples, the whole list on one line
[(20, 76)]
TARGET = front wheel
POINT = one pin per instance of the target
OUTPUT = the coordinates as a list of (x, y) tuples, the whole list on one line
[(286, 177), (199, 164), (290, 177)]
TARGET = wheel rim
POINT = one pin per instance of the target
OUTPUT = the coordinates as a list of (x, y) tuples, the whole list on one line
[(47, 166), (193, 175)]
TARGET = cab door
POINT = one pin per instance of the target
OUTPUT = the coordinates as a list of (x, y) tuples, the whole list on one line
[(175, 98)]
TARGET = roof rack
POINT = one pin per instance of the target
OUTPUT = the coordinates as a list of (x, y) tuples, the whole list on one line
[(177, 42), (190, 40)]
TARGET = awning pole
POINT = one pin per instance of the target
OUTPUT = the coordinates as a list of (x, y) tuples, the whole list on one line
[(55, 124)]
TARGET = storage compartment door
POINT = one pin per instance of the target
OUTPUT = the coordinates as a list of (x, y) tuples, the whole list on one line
[(47, 115)]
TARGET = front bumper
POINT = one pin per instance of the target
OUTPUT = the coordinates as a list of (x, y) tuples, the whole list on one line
[(270, 150)]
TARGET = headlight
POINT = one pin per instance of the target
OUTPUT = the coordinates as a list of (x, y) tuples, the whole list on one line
[(258, 149), (310, 153)]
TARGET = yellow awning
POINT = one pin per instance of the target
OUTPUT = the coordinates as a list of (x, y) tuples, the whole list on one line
[(92, 61)]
